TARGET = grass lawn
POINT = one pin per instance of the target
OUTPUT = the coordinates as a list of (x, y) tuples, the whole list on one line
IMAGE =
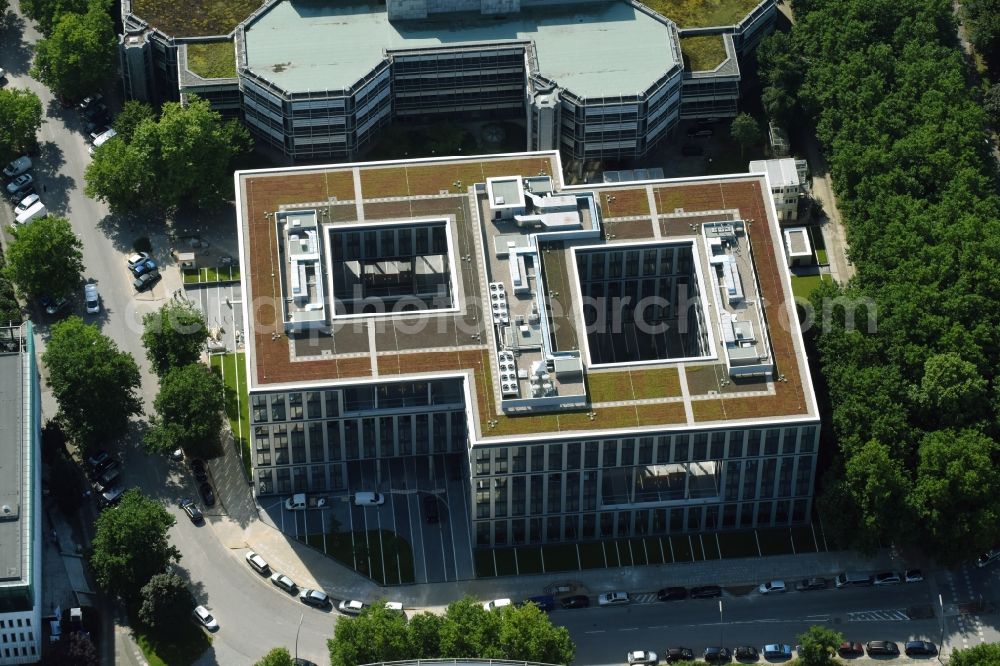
[(212, 60), (804, 285), (703, 52), (560, 557), (529, 560), (211, 275), (185, 644), (816, 234), (234, 375), (776, 541), (703, 13)]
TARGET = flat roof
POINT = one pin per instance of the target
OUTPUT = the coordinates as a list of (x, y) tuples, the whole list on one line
[(12, 481), (782, 172), (595, 50), (684, 393)]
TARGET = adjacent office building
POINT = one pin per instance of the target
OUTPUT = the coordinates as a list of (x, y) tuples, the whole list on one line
[(594, 79), (604, 360), (20, 499)]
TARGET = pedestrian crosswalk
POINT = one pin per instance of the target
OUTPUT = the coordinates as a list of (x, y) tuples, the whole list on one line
[(878, 616), (643, 598)]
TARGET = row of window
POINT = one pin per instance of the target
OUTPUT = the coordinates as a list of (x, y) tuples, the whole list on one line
[(641, 522)]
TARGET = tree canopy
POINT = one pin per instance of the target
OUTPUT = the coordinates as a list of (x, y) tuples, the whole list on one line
[(818, 646), (279, 656), (466, 630), (94, 382), (987, 654), (45, 258), (20, 119), (130, 545), (184, 156), (745, 131), (165, 601), (47, 12), (884, 85), (188, 412), (173, 336), (79, 54)]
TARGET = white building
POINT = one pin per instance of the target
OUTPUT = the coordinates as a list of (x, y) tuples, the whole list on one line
[(788, 184)]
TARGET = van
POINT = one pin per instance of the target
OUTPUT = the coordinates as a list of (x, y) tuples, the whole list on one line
[(101, 140), (34, 212), (854, 580)]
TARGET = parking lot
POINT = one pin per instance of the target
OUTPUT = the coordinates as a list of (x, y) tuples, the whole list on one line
[(393, 542)]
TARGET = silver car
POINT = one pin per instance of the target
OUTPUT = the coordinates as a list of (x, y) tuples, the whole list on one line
[(91, 298)]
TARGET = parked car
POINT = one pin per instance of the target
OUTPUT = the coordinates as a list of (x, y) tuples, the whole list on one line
[(777, 651), (807, 584), (258, 563), (207, 494), (675, 654), (919, 648), (89, 101), (95, 111), (108, 478), (26, 203), (672, 594), (98, 458), (112, 495), (575, 601), (882, 649), (717, 655), (431, 512), (146, 266), (706, 592), (988, 558), (53, 305), (199, 471), (913, 576), (192, 511), (204, 618), (91, 299), (641, 657), (19, 166), (146, 280), (16, 199), (314, 598), (284, 582), (20, 183), (350, 607), (772, 587), (136, 259), (545, 602), (369, 499), (496, 603), (613, 599), (887, 578), (746, 653), (851, 649)]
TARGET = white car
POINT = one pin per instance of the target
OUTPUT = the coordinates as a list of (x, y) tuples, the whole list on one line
[(369, 499), (641, 657), (496, 603), (350, 607), (91, 298), (395, 607), (613, 599), (772, 587), (284, 582), (26, 203), (205, 618)]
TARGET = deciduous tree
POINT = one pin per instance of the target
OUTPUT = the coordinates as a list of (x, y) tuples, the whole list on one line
[(165, 602), (20, 119), (47, 12), (93, 381), (745, 131), (123, 176), (79, 55), (987, 654), (173, 336), (378, 634), (279, 656), (188, 412), (130, 545), (45, 258), (818, 646), (133, 114)]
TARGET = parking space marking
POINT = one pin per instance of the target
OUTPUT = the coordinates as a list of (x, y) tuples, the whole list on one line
[(892, 615)]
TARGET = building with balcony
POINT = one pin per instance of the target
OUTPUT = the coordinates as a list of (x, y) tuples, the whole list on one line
[(588, 361)]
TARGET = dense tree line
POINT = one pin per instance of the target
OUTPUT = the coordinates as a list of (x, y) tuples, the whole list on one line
[(912, 379), (982, 17)]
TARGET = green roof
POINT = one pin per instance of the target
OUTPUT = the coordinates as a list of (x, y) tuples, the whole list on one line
[(212, 60), (703, 13), (593, 50), (703, 52), (194, 18)]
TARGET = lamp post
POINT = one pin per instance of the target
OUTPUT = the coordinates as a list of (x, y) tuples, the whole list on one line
[(941, 645), (297, 629), (721, 625)]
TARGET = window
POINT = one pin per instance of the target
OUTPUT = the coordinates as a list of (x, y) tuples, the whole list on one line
[(500, 498), (517, 496), (750, 479), (753, 443), (590, 455), (645, 450), (368, 435), (500, 461), (718, 445), (771, 442), (280, 441), (298, 437), (573, 455), (259, 403), (277, 408), (700, 447), (332, 403), (483, 499), (537, 457), (535, 497), (295, 405), (314, 409), (555, 457), (682, 448), (519, 459), (663, 450), (610, 458), (572, 492), (808, 439), (482, 462)]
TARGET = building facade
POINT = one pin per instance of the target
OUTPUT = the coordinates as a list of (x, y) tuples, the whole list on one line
[(20, 499), (788, 184)]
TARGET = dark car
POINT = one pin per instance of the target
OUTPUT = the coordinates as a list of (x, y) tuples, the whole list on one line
[(198, 468), (146, 280), (851, 649), (678, 654), (811, 584), (717, 655), (544, 602), (103, 467), (672, 594), (207, 494), (98, 459), (89, 101), (576, 601), (431, 513), (145, 266), (747, 653), (920, 648), (22, 195), (882, 649), (94, 111), (108, 477), (706, 592), (192, 511), (314, 598), (692, 151)]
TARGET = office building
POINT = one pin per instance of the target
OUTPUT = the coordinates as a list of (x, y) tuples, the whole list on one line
[(614, 359), (788, 184)]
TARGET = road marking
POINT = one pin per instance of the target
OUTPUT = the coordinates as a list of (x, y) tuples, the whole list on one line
[(892, 615), (596, 631), (629, 629)]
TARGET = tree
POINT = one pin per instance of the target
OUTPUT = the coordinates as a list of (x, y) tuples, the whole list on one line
[(20, 119), (526, 634), (987, 654), (45, 258), (123, 176), (991, 105), (469, 630), (378, 634), (47, 12), (173, 336), (166, 601), (188, 412), (74, 649), (94, 383), (879, 487), (130, 545), (425, 635), (818, 646), (277, 657), (952, 390), (745, 131), (80, 53), (133, 114)]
